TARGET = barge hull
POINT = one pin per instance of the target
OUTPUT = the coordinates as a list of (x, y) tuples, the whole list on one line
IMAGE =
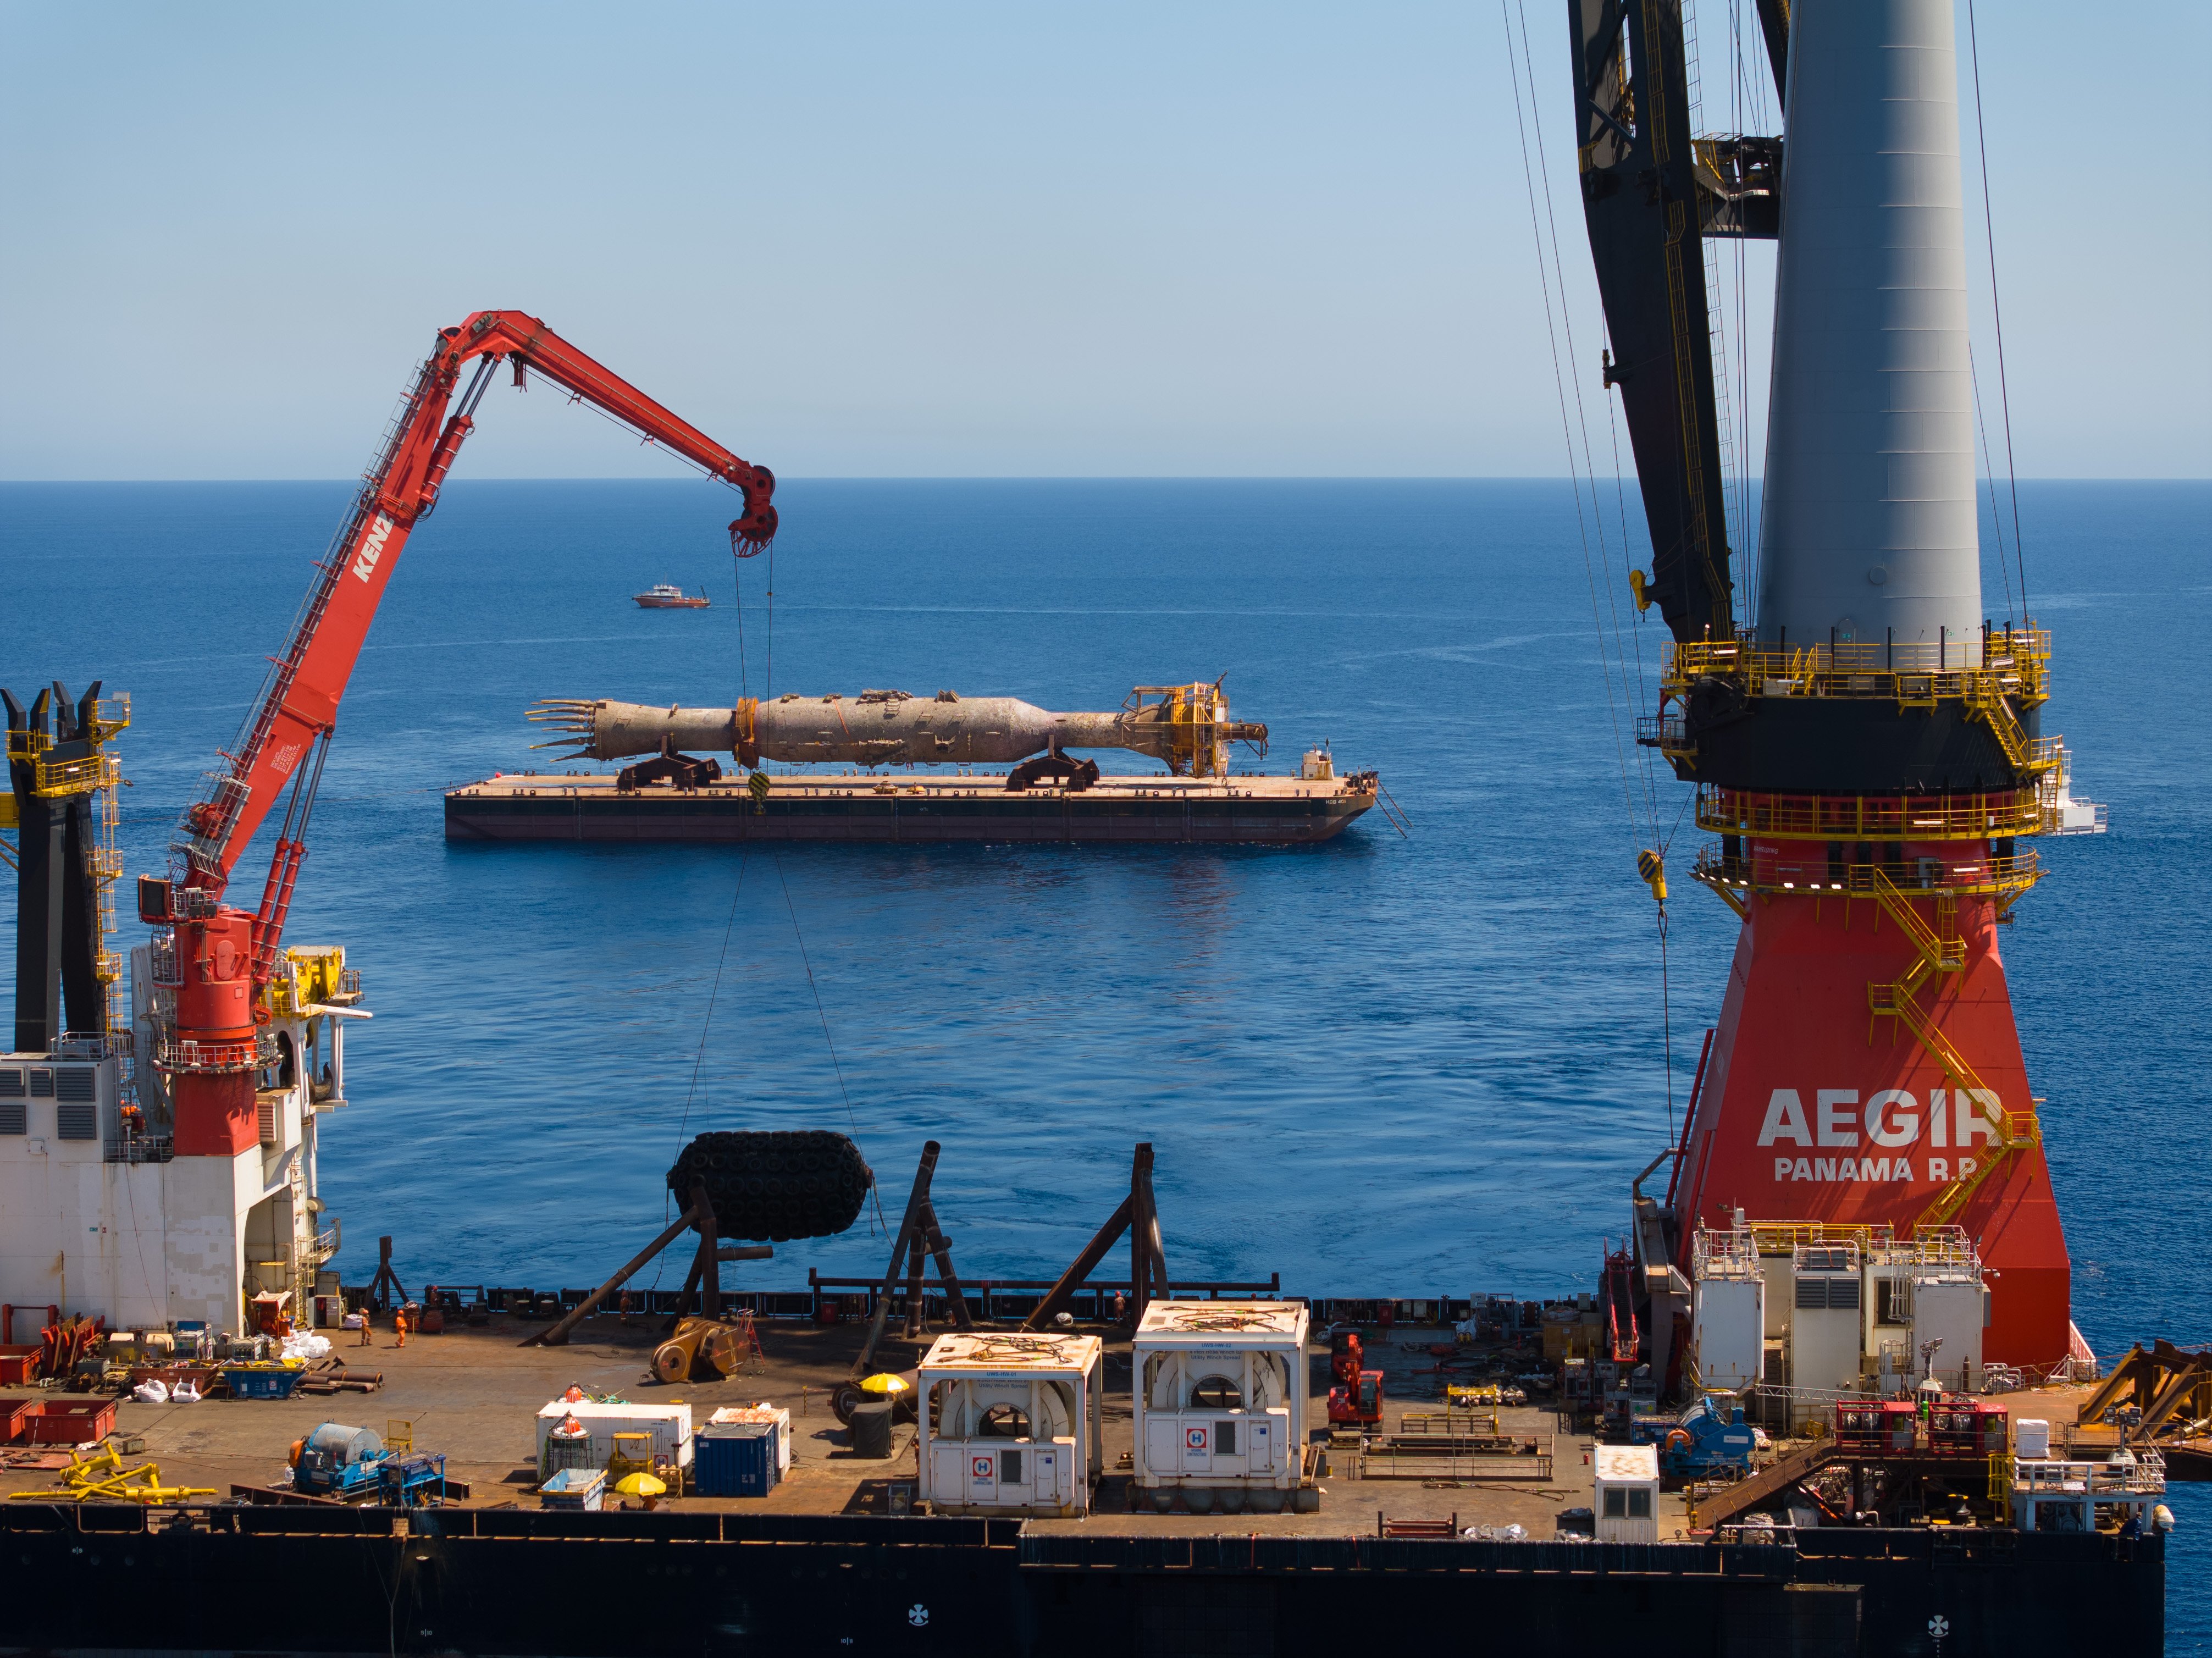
[(494, 1581), (1274, 810)]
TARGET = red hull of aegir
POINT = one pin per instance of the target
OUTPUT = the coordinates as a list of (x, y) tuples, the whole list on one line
[(1815, 1107)]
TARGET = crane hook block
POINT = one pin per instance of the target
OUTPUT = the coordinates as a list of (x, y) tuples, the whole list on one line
[(1653, 868), (752, 534)]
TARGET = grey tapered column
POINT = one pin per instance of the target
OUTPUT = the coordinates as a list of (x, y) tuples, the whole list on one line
[(1868, 528)]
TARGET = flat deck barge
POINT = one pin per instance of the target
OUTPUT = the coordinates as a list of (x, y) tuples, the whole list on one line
[(862, 807)]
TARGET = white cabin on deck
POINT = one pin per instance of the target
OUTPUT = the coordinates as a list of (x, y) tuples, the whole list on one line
[(1624, 1497)]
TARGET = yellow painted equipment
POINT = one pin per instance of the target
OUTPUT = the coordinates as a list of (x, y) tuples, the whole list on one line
[(727, 1346), (313, 976), (104, 1476)]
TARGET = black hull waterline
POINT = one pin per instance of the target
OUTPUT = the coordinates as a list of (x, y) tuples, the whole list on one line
[(519, 1581)]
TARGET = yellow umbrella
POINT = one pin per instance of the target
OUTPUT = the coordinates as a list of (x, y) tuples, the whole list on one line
[(640, 1484), (886, 1384)]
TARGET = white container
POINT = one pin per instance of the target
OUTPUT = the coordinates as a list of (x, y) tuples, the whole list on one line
[(1011, 1423), (669, 1426), (1627, 1498), (1827, 1293), (1728, 1331), (763, 1412), (2031, 1439), (1950, 1305), (1221, 1395)]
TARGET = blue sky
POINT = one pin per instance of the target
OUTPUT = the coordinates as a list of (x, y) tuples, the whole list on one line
[(968, 240)]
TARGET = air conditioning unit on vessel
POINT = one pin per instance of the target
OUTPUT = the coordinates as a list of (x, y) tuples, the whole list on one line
[(1852, 1310), (1825, 1295)]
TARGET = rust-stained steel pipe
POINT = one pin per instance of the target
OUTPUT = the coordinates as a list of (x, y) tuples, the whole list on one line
[(916, 1203), (1057, 1298), (558, 1334), (1185, 726)]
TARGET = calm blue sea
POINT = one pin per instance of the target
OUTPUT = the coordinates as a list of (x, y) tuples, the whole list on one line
[(1427, 1063)]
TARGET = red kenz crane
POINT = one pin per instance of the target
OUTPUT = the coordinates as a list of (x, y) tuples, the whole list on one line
[(226, 957)]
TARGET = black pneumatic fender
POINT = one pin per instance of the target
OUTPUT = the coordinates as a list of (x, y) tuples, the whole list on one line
[(771, 1186)]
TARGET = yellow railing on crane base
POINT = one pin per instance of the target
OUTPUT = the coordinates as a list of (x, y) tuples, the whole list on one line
[(2012, 662), (1951, 878), (2000, 814)]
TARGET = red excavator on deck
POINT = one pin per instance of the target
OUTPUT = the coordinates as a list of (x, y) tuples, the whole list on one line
[(1355, 1394), (225, 956)]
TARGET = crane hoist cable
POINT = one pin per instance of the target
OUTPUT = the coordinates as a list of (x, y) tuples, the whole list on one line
[(1650, 859), (1559, 379), (1996, 307), (806, 962)]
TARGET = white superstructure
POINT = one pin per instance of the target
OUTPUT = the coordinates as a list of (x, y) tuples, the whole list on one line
[(1815, 1314), (1728, 1329), (98, 1213)]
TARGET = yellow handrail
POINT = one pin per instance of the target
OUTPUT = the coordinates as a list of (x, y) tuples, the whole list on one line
[(1985, 701), (1945, 954), (2017, 662), (2005, 877), (1773, 1237), (2015, 1130), (2001, 814)]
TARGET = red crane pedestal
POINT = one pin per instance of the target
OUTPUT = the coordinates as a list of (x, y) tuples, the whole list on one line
[(215, 1049), (1867, 1069)]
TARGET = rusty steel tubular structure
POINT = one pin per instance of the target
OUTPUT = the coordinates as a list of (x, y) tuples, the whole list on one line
[(1186, 727)]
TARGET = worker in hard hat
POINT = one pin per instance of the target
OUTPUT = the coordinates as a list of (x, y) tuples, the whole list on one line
[(399, 1324)]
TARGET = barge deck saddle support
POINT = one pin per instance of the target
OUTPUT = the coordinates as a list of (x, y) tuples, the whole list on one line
[(698, 1215)]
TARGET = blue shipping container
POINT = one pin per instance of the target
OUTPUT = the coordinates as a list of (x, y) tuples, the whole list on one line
[(734, 1459)]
